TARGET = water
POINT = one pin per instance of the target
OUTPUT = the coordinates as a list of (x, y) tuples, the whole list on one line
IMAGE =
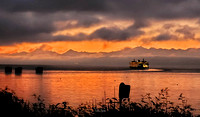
[(78, 87)]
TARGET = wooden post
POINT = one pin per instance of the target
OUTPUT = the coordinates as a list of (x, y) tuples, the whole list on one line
[(124, 91)]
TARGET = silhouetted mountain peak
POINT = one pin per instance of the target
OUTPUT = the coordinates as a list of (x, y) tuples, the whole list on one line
[(71, 51), (126, 52), (139, 48)]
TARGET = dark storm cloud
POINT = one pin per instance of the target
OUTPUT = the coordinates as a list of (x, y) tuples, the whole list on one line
[(115, 34), (52, 5), (163, 9), (107, 33), (34, 27), (187, 32), (128, 8), (78, 37), (22, 24), (81, 21), (164, 37), (110, 34), (23, 27), (168, 26), (34, 20), (86, 22), (120, 34)]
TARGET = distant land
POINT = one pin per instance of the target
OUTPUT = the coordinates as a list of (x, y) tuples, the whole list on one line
[(158, 58)]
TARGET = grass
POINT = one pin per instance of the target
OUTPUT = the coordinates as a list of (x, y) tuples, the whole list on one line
[(159, 106)]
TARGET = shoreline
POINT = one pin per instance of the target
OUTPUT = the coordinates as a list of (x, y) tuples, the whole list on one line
[(99, 68)]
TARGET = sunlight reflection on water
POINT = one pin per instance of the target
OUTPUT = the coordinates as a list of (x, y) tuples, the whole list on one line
[(78, 87)]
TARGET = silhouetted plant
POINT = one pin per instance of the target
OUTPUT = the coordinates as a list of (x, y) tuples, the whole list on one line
[(11, 105), (61, 110), (86, 110), (163, 107), (160, 106)]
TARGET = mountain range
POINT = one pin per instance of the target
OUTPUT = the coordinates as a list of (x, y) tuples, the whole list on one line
[(158, 58)]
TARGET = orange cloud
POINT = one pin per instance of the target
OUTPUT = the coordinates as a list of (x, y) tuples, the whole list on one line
[(98, 45), (122, 24)]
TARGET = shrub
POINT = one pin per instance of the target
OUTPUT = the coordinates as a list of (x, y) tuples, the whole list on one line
[(159, 106)]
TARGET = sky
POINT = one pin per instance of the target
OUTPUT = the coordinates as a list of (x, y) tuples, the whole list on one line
[(55, 27)]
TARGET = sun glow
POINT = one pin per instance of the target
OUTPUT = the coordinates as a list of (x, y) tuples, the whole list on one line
[(98, 45)]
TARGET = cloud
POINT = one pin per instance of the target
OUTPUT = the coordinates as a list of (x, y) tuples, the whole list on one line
[(128, 8), (168, 26), (77, 37), (187, 32), (162, 9), (33, 27), (22, 27), (34, 20), (113, 33), (110, 34), (52, 6), (75, 20), (164, 37)]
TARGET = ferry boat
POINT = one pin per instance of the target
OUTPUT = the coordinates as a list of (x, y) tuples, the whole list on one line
[(139, 64)]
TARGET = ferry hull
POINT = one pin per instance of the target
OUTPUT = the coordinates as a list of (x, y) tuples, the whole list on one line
[(138, 68)]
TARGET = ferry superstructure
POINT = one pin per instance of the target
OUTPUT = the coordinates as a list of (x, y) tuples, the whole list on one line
[(139, 64)]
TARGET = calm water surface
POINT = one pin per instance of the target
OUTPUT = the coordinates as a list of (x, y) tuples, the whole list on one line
[(78, 87)]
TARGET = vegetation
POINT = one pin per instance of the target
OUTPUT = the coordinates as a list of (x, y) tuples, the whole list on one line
[(160, 106)]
